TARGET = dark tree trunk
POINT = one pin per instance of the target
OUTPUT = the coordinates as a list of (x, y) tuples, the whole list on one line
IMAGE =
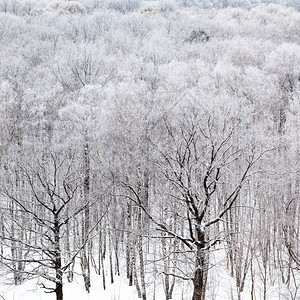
[(59, 291), (199, 279), (58, 270)]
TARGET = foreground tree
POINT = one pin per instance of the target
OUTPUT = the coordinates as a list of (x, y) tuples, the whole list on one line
[(48, 204), (197, 161)]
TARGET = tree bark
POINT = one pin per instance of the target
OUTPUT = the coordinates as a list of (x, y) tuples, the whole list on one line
[(58, 270), (199, 280), (85, 265), (59, 291)]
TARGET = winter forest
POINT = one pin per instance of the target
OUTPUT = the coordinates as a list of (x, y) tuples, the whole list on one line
[(150, 150)]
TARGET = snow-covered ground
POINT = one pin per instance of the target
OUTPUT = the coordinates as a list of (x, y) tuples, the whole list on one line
[(30, 290), (220, 286)]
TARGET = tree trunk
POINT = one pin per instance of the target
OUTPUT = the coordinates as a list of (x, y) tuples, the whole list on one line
[(59, 291), (101, 261), (128, 243), (85, 252), (199, 279), (58, 270), (110, 255), (141, 255), (135, 277)]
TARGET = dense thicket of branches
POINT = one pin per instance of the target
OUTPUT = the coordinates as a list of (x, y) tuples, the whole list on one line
[(160, 143)]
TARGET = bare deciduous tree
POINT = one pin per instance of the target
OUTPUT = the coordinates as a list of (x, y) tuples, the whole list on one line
[(47, 204)]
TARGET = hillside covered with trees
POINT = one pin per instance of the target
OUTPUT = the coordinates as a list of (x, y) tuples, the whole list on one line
[(157, 142)]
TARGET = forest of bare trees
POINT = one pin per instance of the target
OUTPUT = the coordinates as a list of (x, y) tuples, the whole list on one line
[(154, 142)]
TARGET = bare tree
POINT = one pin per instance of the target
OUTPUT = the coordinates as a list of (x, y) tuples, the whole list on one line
[(198, 160), (47, 206)]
